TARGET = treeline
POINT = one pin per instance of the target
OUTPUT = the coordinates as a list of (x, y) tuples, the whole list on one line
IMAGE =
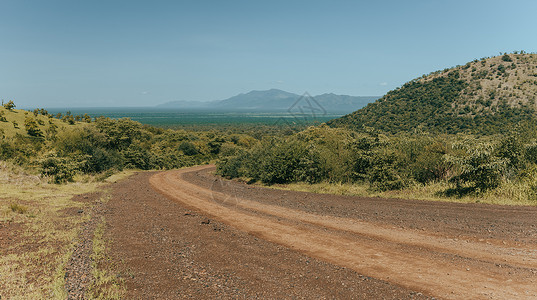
[(335, 155), (107, 145)]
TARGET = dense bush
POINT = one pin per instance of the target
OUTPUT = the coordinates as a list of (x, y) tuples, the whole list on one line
[(383, 174), (481, 170), (187, 148), (316, 154), (387, 163), (290, 162), (32, 128), (108, 144), (59, 169)]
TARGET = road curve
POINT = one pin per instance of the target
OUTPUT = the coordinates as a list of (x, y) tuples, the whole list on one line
[(433, 262)]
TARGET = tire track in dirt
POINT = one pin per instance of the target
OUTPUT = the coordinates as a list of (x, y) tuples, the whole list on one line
[(429, 262)]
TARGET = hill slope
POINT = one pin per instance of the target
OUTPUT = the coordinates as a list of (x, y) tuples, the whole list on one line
[(13, 122), (483, 96)]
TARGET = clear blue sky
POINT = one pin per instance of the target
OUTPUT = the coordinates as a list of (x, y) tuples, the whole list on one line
[(136, 53)]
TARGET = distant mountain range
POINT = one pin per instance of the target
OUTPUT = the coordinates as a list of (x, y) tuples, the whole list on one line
[(275, 100)]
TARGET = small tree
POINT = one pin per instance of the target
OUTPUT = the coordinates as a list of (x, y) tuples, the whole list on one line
[(506, 57), (59, 169), (480, 169), (9, 105), (188, 148), (87, 118), (32, 128)]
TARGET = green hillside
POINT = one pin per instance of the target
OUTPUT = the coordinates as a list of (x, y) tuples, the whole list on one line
[(16, 122), (484, 96)]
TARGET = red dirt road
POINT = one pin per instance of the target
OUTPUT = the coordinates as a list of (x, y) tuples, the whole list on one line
[(404, 248)]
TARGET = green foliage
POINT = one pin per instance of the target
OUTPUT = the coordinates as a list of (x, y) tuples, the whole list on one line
[(232, 167), (59, 169), (506, 57), (20, 150), (337, 155), (334, 155), (87, 118), (188, 148), (120, 133), (60, 152), (480, 169), (32, 128), (488, 98), (512, 150), (290, 162), (10, 105), (416, 104), (383, 174), (276, 161)]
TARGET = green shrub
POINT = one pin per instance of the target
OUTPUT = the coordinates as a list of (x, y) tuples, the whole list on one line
[(383, 174), (430, 164), (230, 167), (284, 162), (506, 57), (59, 169), (120, 133), (512, 150), (137, 157), (10, 105), (101, 160), (32, 128), (480, 169), (188, 148), (215, 145), (530, 153)]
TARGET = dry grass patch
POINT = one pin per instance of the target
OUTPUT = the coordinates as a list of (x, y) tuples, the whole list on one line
[(106, 285), (38, 224), (521, 193)]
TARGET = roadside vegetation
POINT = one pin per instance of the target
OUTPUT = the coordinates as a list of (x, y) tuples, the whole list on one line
[(38, 223), (61, 148), (465, 133), (47, 162), (498, 169)]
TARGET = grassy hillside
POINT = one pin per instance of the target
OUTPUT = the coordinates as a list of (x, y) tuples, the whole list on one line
[(483, 96), (12, 122)]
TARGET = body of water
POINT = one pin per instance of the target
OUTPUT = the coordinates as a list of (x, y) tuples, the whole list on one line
[(179, 118)]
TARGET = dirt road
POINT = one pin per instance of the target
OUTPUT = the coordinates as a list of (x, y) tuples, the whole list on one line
[(235, 241)]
